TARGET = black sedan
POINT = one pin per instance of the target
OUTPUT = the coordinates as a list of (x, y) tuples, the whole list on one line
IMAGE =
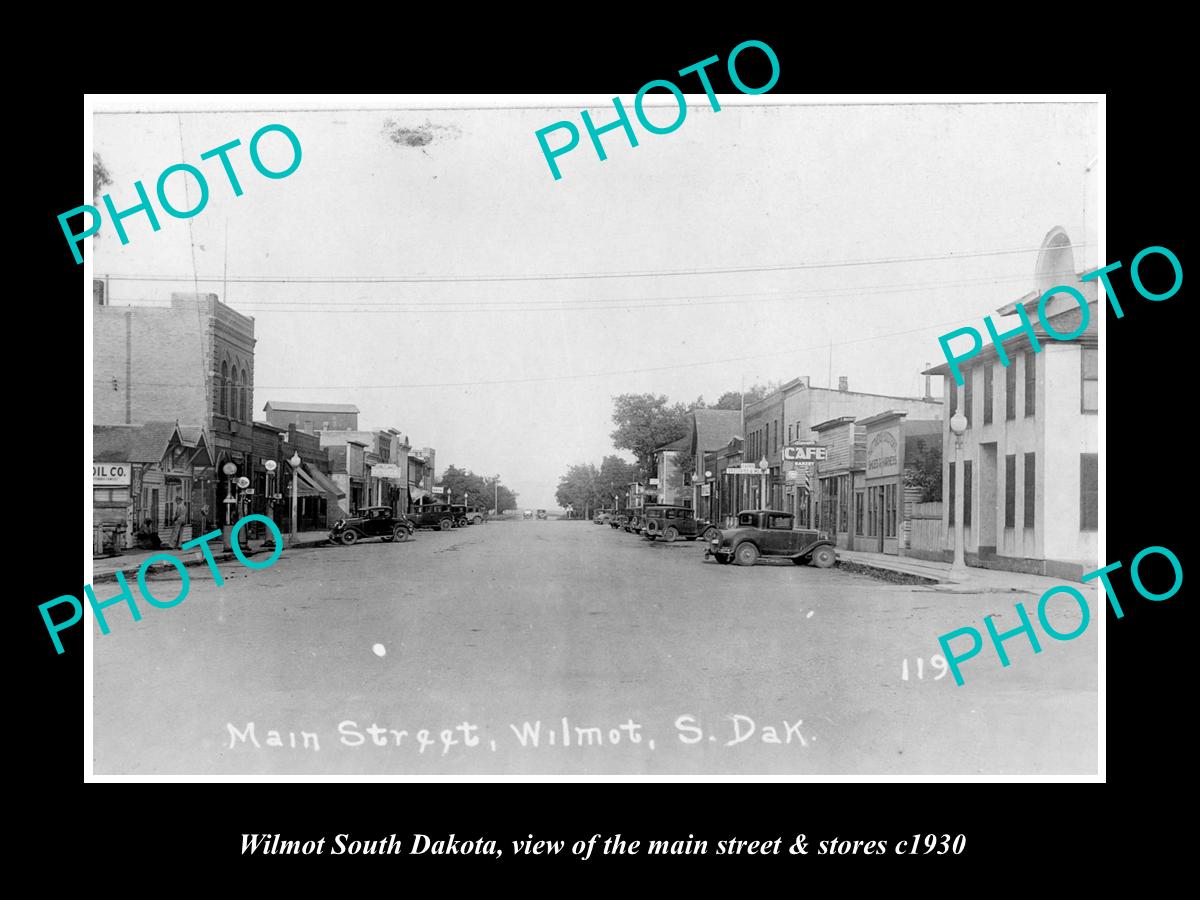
[(372, 521)]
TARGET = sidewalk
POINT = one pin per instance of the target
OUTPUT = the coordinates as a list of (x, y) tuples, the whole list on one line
[(977, 581), (105, 568)]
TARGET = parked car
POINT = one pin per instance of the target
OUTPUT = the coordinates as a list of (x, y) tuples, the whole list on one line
[(372, 521), (541, 514), (769, 533), (672, 523), (475, 514), (529, 514), (602, 516), (618, 517), (435, 515), (462, 517), (634, 521)]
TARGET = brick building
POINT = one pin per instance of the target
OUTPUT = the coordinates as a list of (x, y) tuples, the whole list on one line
[(191, 362)]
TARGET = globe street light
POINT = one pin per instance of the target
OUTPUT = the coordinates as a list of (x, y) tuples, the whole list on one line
[(958, 569), (762, 498), (294, 462)]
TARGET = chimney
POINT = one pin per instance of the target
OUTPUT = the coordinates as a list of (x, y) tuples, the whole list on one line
[(843, 383), (928, 396)]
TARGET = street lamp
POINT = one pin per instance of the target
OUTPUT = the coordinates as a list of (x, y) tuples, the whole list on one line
[(958, 569), (762, 494), (228, 470), (294, 462)]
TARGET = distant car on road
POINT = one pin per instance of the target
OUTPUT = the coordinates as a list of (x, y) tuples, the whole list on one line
[(462, 517), (529, 514), (769, 532), (618, 517), (475, 514), (372, 521), (435, 515), (541, 514)]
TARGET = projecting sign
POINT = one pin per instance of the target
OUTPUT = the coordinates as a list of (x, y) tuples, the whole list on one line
[(809, 453), (110, 473), (745, 469)]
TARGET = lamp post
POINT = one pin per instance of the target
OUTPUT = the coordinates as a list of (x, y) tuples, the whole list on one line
[(294, 462), (228, 470), (762, 491), (958, 569)]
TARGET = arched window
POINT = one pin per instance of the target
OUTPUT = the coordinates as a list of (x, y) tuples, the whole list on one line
[(222, 402), (246, 412), (237, 394)]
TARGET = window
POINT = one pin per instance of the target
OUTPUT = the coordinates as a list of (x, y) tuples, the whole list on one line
[(1010, 490), (1010, 390), (843, 503), (889, 510), (988, 375), (789, 434), (780, 523), (952, 494), (858, 512), (1030, 487), (967, 404), (747, 519), (966, 492), (1089, 492), (1089, 377), (236, 400), (1030, 384), (223, 399), (246, 416)]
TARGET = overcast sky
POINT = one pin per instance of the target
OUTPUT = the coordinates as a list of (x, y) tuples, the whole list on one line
[(514, 376)]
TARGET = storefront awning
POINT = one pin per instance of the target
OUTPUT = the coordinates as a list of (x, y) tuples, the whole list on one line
[(305, 486), (323, 482)]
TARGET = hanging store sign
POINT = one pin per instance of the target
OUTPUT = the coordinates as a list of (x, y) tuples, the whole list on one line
[(745, 469)]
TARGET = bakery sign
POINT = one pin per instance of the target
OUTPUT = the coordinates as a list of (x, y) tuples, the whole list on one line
[(883, 457), (110, 473)]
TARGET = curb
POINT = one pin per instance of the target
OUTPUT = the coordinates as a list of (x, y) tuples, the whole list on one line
[(879, 567), (223, 556)]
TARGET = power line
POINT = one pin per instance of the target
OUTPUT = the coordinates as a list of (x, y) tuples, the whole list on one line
[(559, 377), (430, 279)]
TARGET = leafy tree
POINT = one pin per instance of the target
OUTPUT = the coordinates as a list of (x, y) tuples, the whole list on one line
[(645, 421), (729, 400), (460, 483), (925, 471), (100, 177), (733, 399), (579, 488), (615, 475)]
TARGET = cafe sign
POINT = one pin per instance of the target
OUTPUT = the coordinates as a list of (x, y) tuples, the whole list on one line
[(110, 473)]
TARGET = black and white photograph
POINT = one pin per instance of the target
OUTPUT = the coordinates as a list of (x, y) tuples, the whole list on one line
[(671, 435)]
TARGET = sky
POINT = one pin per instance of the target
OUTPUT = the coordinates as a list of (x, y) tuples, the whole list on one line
[(514, 372)]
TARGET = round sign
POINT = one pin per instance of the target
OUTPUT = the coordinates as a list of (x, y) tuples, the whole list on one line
[(243, 482), (270, 465), (229, 468)]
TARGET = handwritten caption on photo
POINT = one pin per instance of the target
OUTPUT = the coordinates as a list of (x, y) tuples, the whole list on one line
[(145, 206), (126, 595), (600, 845), (639, 110)]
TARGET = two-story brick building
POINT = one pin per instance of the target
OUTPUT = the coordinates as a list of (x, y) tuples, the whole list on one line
[(191, 362)]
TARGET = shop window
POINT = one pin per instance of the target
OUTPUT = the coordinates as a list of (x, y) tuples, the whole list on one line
[(1030, 383), (1089, 492), (1010, 490), (843, 503), (1010, 390), (988, 376), (1030, 487), (1089, 378), (859, 503), (889, 510)]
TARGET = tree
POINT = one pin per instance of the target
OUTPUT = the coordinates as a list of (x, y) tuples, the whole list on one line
[(615, 475), (644, 422), (729, 400), (462, 482), (579, 488), (100, 177), (925, 471), (733, 399)]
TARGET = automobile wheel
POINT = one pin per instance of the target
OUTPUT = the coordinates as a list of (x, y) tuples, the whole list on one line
[(349, 537), (710, 534), (463, 523), (824, 557), (746, 554), (400, 533), (446, 524), (723, 560), (671, 535)]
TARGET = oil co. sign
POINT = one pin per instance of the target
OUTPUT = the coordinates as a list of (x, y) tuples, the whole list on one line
[(110, 473)]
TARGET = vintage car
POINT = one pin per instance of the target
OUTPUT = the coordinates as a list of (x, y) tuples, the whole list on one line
[(618, 517), (475, 514), (672, 523), (769, 533), (541, 514), (603, 516), (462, 515), (529, 514), (434, 515), (372, 521), (633, 522)]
